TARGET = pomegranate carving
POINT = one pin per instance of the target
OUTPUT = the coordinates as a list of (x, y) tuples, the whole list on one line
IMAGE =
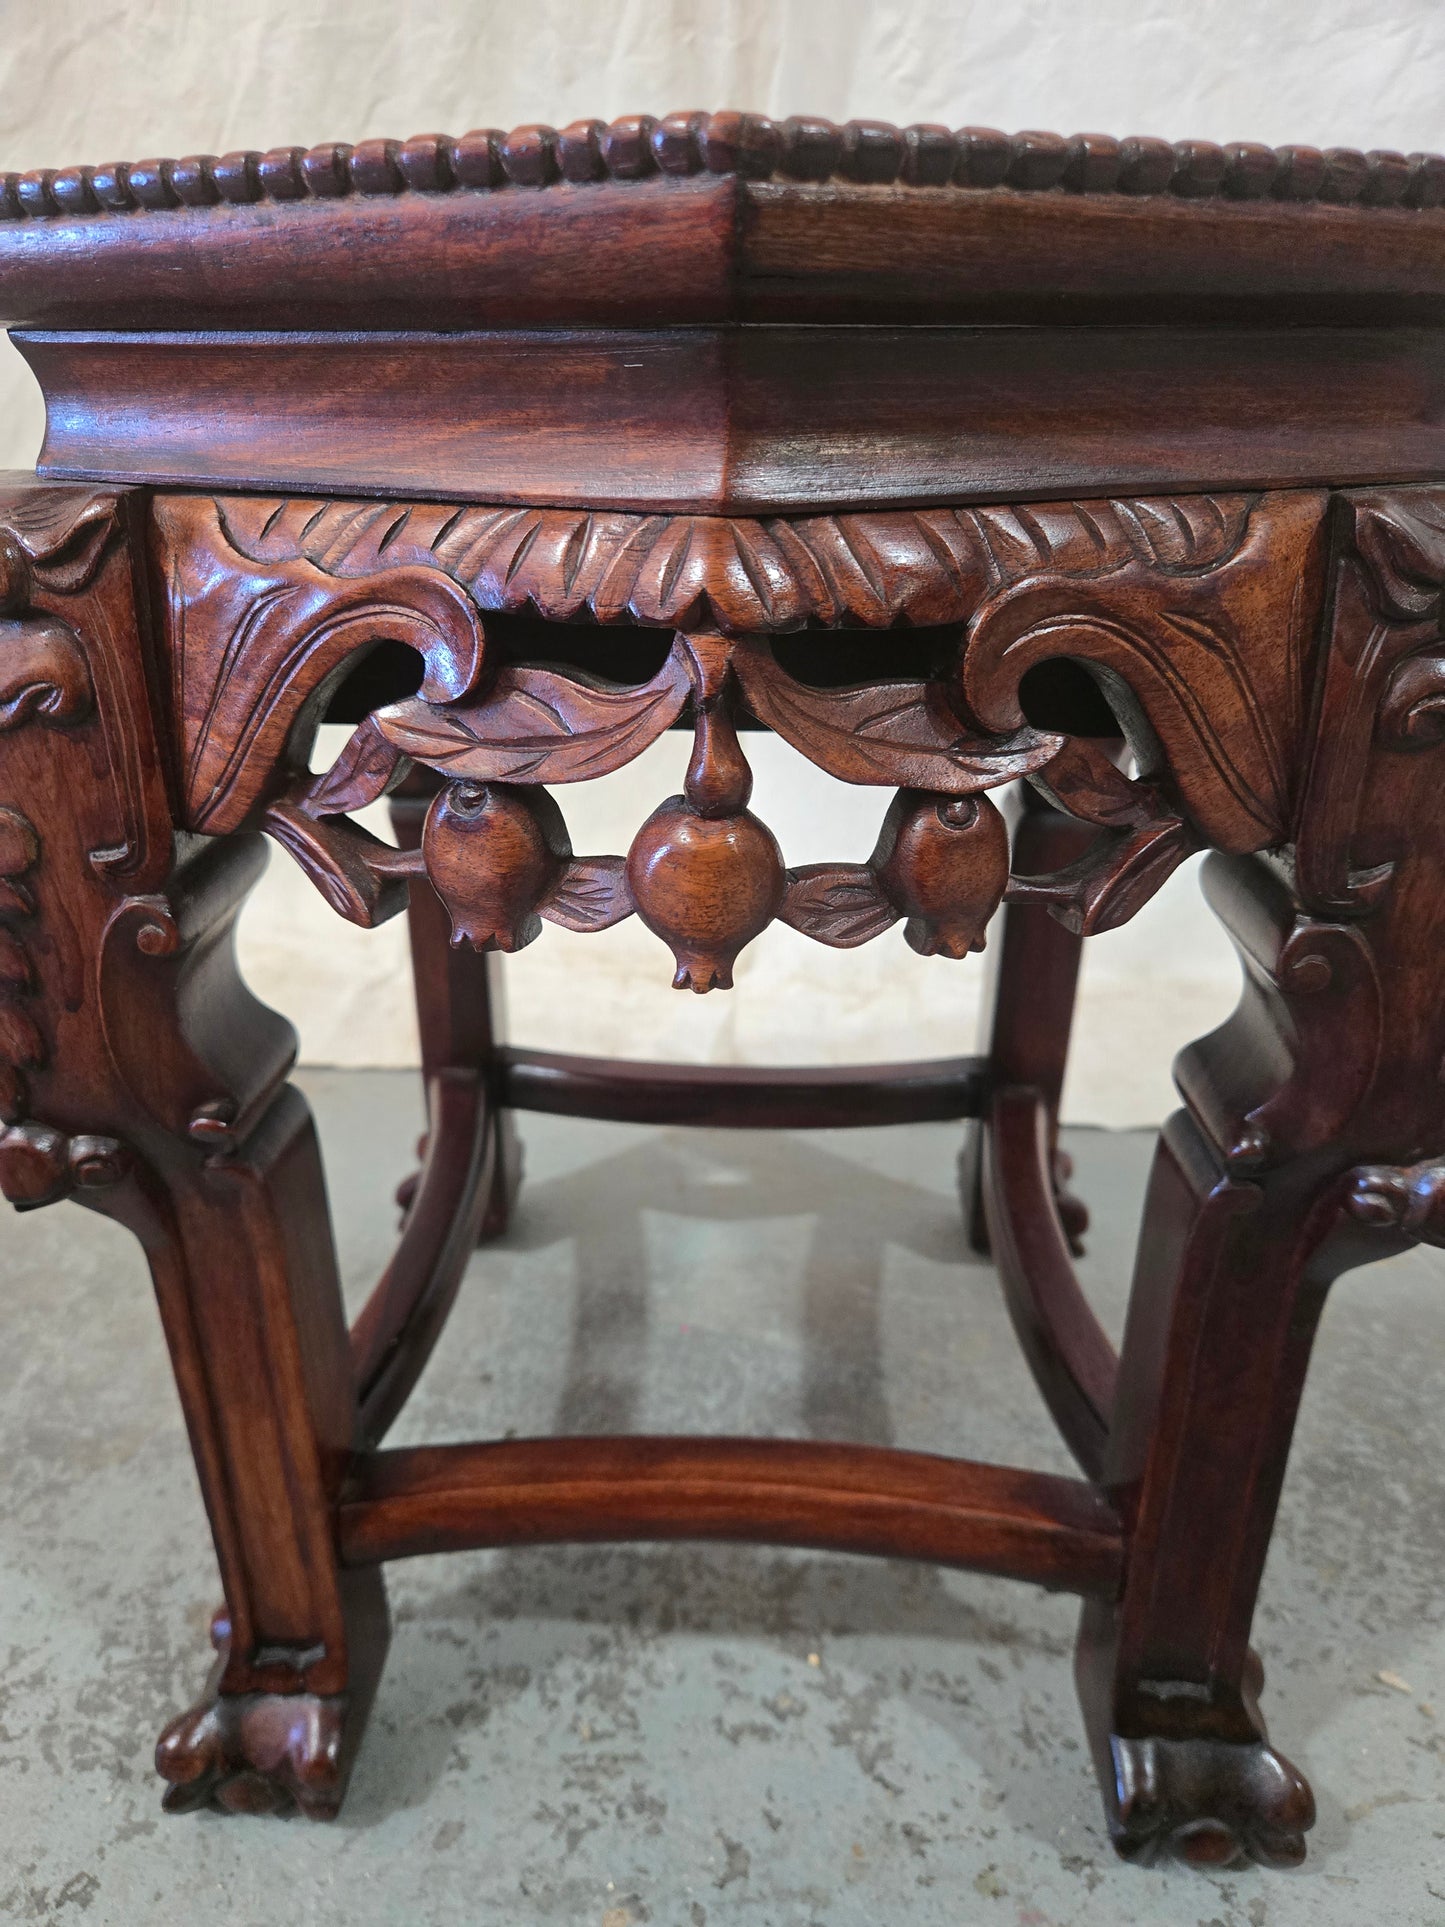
[(704, 874), (492, 853), (706, 885), (942, 862), (500, 859)]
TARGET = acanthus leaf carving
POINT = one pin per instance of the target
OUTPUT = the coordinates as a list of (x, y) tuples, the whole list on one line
[(743, 575)]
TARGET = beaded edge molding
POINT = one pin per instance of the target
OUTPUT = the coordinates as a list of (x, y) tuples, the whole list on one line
[(747, 145)]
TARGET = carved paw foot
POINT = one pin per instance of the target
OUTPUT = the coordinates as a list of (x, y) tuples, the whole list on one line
[(257, 1753), (281, 1753), (1210, 1802)]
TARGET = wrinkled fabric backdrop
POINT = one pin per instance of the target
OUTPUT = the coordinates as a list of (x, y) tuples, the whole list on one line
[(82, 83)]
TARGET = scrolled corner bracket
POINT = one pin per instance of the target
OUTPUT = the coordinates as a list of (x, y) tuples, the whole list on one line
[(1407, 1199), (44, 675), (1412, 714), (1380, 699)]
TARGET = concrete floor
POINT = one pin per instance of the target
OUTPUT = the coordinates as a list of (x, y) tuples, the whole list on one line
[(696, 1736)]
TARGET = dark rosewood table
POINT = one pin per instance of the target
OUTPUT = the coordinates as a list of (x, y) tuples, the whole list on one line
[(953, 458)]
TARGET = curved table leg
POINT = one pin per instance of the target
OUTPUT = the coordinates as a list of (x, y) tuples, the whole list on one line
[(1230, 1283), (138, 1075), (460, 1012), (1033, 977)]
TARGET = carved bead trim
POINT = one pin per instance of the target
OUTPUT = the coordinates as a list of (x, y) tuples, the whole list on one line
[(639, 146)]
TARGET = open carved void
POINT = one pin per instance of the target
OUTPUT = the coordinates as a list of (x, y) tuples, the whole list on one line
[(1187, 612)]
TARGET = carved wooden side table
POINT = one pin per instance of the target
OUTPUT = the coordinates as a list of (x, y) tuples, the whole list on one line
[(953, 458)]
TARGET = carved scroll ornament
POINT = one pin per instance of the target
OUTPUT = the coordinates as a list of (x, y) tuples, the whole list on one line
[(1193, 615)]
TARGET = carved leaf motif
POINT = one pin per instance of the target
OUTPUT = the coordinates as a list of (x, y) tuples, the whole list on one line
[(1196, 695), (899, 733), (361, 774), (592, 893), (1084, 782), (1208, 663), (1112, 880), (255, 645), (362, 878), (538, 726), (840, 904), (43, 672), (873, 569)]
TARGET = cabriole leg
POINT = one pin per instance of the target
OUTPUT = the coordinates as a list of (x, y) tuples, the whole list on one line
[(138, 1075), (1230, 1282), (240, 1246)]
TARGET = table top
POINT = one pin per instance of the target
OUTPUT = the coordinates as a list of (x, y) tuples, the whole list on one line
[(728, 217)]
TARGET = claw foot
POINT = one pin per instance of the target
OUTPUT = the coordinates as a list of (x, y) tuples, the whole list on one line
[(257, 1753), (1210, 1802), (281, 1753)]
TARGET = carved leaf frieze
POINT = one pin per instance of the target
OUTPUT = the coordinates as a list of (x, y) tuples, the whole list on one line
[(743, 574), (1194, 615)]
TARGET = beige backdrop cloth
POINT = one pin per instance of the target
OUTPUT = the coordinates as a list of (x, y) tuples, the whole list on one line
[(82, 83)]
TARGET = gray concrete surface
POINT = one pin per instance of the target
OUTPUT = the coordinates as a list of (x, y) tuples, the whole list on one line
[(689, 1735)]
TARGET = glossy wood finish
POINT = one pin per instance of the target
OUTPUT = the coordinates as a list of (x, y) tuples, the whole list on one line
[(727, 217), (1117, 562), (735, 1097), (766, 419), (849, 1498), (1064, 1343)]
